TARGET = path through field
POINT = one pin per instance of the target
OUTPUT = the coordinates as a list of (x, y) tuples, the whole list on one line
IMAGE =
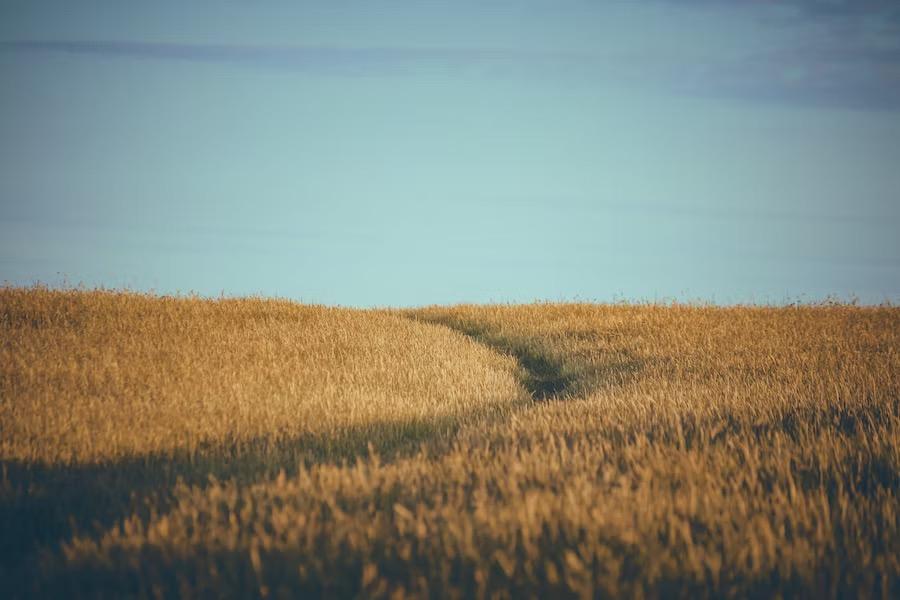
[(544, 377)]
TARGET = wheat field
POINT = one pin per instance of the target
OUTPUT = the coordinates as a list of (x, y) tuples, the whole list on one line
[(187, 447)]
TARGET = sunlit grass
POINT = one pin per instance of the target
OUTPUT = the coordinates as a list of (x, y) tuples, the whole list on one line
[(548, 449)]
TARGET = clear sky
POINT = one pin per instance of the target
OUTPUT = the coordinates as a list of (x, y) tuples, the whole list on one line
[(403, 153)]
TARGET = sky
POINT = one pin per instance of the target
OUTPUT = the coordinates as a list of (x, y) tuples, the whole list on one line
[(407, 153)]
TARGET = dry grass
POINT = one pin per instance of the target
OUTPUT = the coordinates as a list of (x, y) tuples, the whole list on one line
[(668, 450), (94, 377)]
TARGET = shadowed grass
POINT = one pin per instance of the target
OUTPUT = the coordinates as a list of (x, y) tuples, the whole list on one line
[(42, 504)]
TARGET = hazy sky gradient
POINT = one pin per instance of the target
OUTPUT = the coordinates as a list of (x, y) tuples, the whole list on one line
[(372, 153)]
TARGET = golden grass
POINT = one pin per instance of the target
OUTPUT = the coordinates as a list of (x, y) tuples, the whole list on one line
[(668, 451), (90, 377)]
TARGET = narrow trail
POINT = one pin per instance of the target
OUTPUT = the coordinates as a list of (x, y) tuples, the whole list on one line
[(544, 378)]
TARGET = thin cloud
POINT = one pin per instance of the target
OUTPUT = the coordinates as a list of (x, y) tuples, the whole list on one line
[(844, 71), (830, 9), (819, 9), (319, 58), (841, 53), (813, 74)]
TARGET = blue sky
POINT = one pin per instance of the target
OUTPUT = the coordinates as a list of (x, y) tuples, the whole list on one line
[(400, 153)]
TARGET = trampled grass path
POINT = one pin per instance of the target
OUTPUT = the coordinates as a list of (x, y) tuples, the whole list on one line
[(544, 377)]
